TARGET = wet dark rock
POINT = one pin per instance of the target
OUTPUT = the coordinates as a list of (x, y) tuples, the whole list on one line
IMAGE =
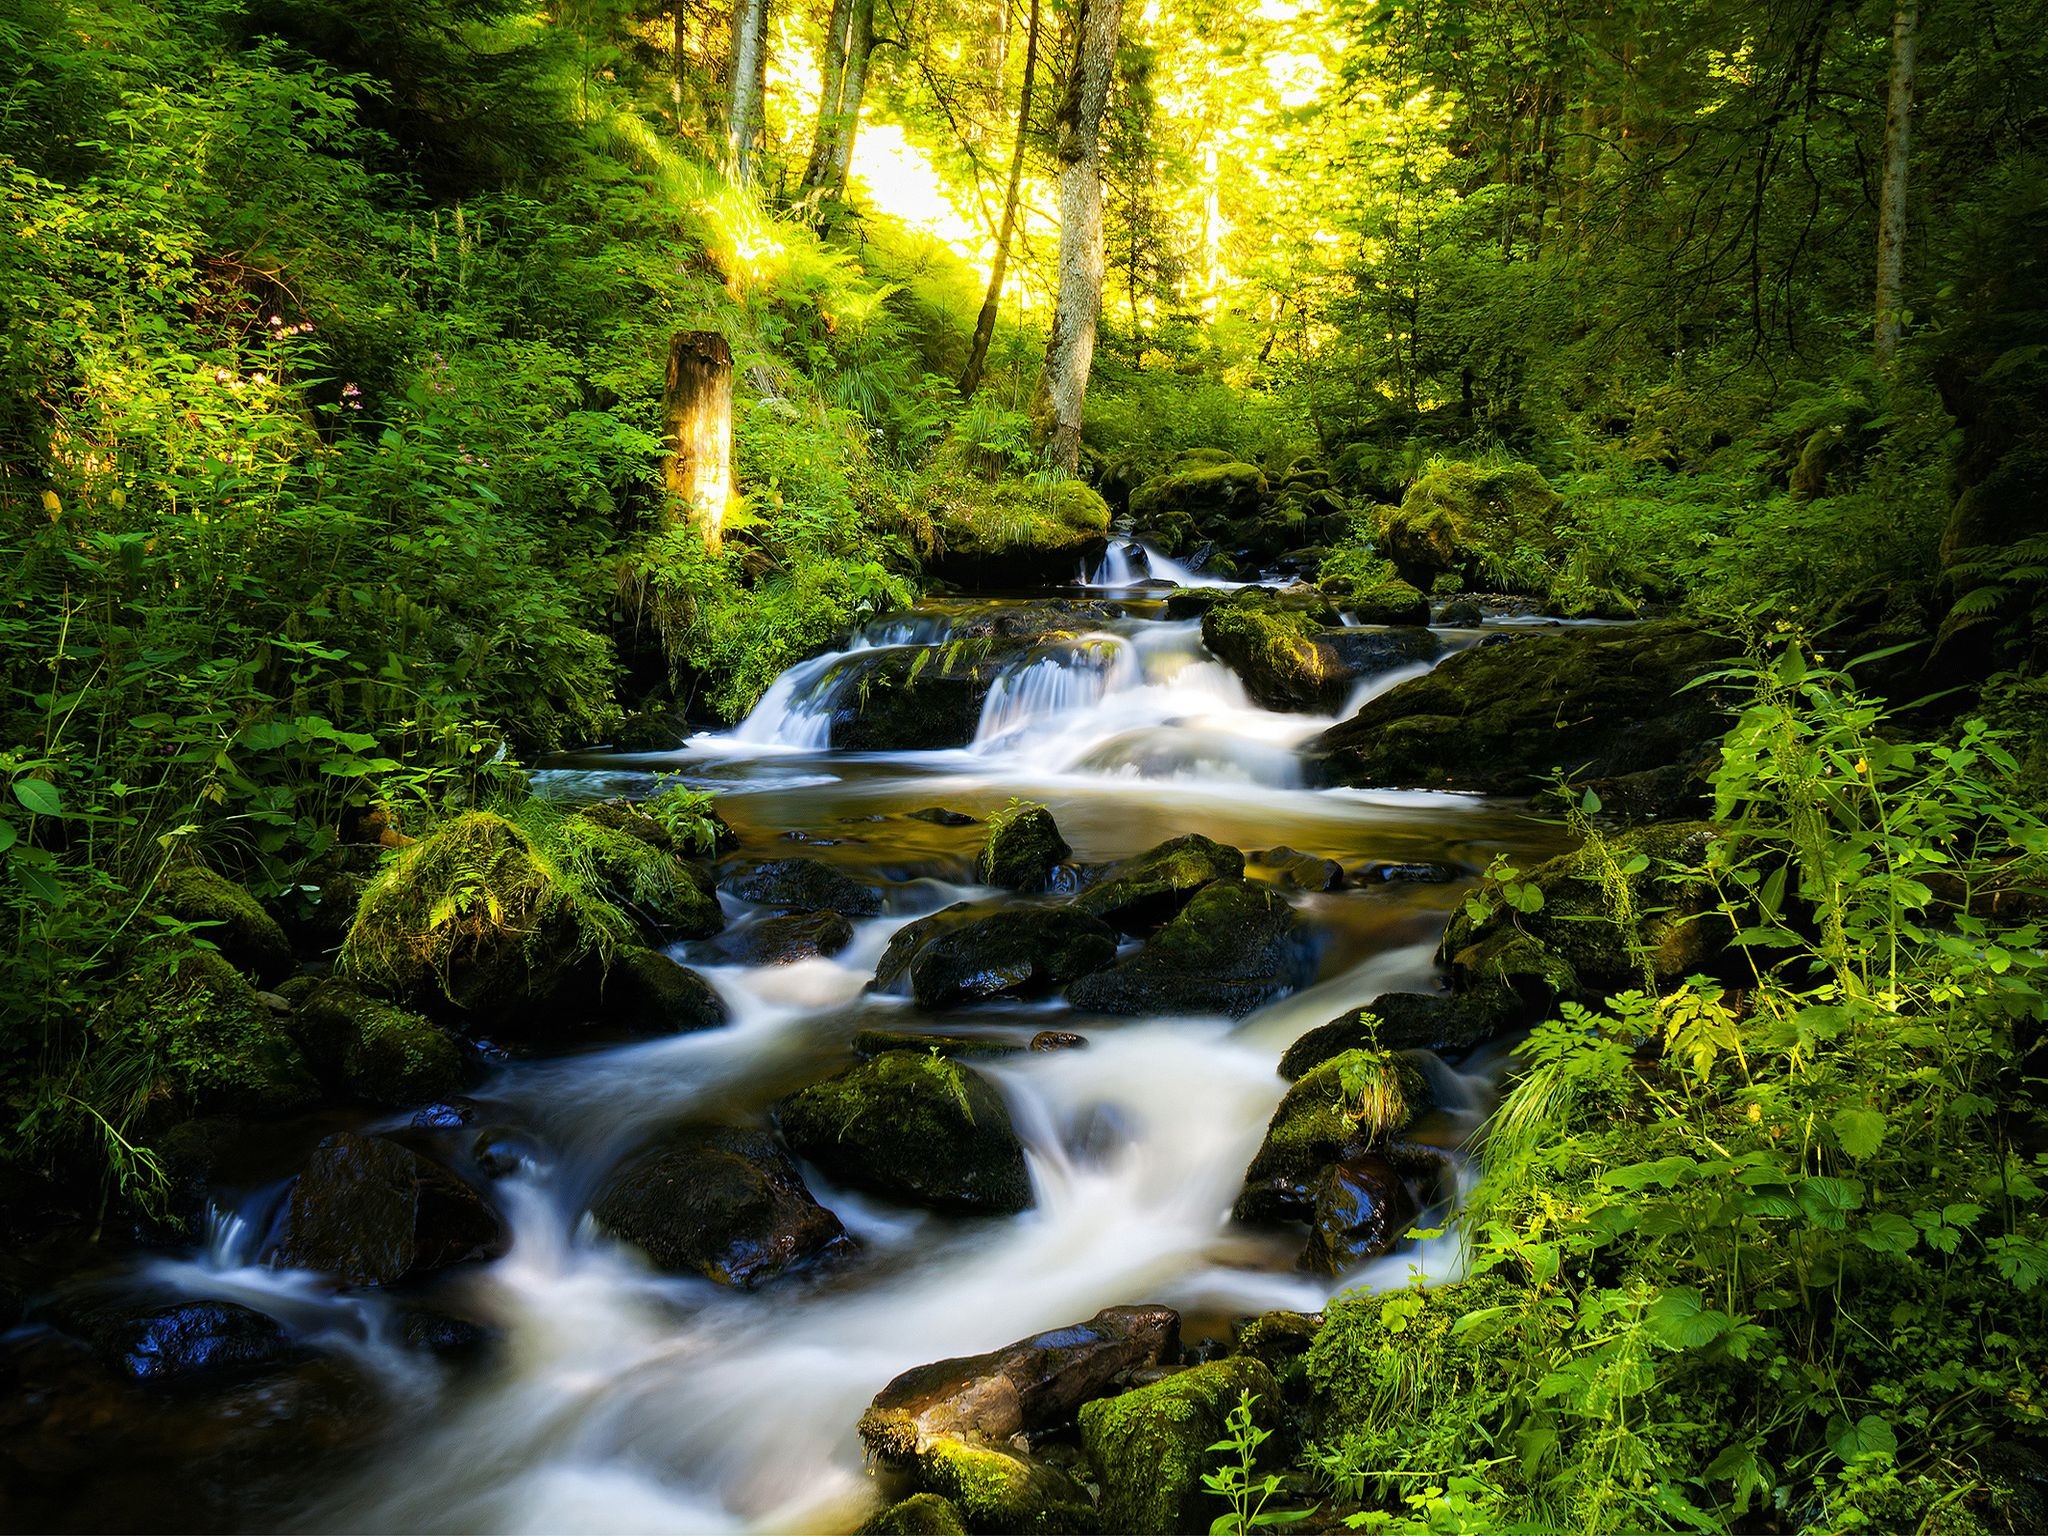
[(1361, 1209), (1401, 1021), (917, 1128), (371, 1212), (1021, 849), (904, 700), (906, 941), (646, 993), (1414, 873), (1150, 1447), (1461, 613), (724, 1203), (939, 816), (1233, 948), (197, 1340), (805, 885), (1015, 952), (1193, 602), (785, 940), (1141, 892), (879, 1042), (234, 922), (1595, 703), (1342, 1108), (1514, 975), (444, 1335), (450, 1115), (1057, 1040), (1295, 870)]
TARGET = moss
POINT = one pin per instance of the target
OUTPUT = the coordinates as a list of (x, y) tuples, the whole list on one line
[(922, 1514), (1150, 1447), (1150, 887), (1276, 650), (644, 992), (474, 914), (914, 1127), (994, 1490), (374, 1050), (986, 531), (1348, 1103), (668, 898), (201, 1041), (1022, 846), (1493, 526), (1200, 491), (1389, 602), (236, 925)]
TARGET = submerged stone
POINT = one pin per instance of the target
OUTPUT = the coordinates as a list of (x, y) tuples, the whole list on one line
[(724, 1203), (805, 885), (194, 1340), (1233, 948), (1361, 1209), (788, 939), (912, 1127)]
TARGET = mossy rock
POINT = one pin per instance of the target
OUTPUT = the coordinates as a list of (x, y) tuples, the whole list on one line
[(1513, 976), (237, 926), (1149, 1448), (1401, 1021), (1492, 526), (1505, 718), (879, 1042), (1014, 534), (1353, 1103), (1389, 602), (1141, 892), (1021, 849), (804, 885), (1233, 948), (667, 896), (789, 938), (920, 1129), (1014, 952), (473, 916), (374, 1050), (1674, 931), (373, 1212), (1289, 659), (214, 1047), (1204, 493), (998, 1491), (644, 992), (922, 1514), (912, 699)]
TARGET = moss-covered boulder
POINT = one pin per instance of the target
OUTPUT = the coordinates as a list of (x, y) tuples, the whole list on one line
[(373, 1212), (903, 946), (804, 885), (1349, 1105), (1233, 948), (1013, 952), (1011, 534), (724, 1203), (1505, 718), (1492, 526), (235, 924), (475, 917), (213, 1045), (1022, 848), (669, 897), (1670, 927), (1401, 1021), (789, 938), (1149, 1448), (645, 993), (374, 1050), (922, 1514), (920, 1129), (912, 699), (1206, 495), (1139, 893), (955, 1425), (1289, 659), (1388, 602)]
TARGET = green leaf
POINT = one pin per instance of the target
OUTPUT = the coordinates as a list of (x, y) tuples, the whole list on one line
[(1889, 1233), (39, 796), (1681, 1319), (1868, 1436), (1860, 1130)]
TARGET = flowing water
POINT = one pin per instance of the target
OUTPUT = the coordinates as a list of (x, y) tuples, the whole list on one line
[(622, 1399)]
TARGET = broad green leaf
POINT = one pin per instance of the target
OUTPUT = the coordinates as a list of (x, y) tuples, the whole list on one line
[(1887, 1232), (1868, 1436), (39, 796), (1860, 1130)]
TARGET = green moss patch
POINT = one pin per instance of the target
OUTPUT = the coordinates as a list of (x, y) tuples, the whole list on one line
[(236, 925), (1149, 1448)]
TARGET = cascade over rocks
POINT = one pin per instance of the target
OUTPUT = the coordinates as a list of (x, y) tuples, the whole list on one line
[(916, 1128), (372, 1212), (1233, 948), (1504, 719), (954, 1425), (720, 1202), (1141, 892)]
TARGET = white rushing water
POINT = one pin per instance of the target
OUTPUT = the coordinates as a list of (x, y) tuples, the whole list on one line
[(1127, 564), (621, 1399)]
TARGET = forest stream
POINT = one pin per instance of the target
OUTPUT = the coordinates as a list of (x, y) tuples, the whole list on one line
[(611, 1397)]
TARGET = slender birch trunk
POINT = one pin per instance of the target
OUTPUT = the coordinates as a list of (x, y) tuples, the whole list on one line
[(1891, 211), (985, 322)]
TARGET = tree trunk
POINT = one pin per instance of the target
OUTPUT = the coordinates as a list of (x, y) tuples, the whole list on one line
[(860, 46), (985, 322), (831, 82), (1891, 210), (749, 57), (696, 430), (1070, 350)]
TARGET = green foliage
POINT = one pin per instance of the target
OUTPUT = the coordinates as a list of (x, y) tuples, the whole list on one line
[(1237, 1481)]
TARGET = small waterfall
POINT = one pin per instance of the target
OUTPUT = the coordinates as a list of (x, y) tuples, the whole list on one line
[(1129, 564), (1052, 685)]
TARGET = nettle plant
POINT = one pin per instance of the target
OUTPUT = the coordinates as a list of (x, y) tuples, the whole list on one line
[(1779, 1239)]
